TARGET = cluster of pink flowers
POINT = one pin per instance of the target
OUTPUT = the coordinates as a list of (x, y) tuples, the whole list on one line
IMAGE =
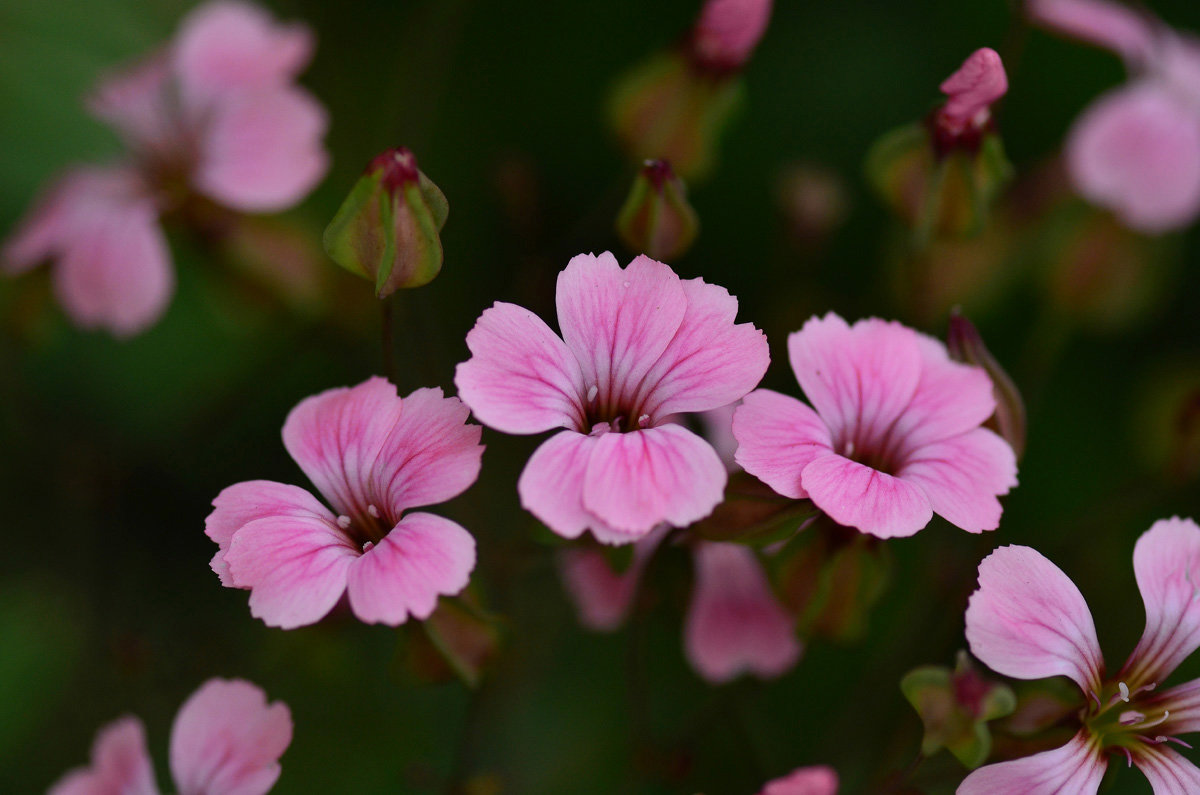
[(215, 113)]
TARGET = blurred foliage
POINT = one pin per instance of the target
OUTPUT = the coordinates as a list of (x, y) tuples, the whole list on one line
[(112, 451)]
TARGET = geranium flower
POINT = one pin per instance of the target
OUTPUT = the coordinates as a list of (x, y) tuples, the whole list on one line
[(226, 740), (1029, 621), (1136, 149), (638, 345), (374, 457), (895, 436), (214, 113)]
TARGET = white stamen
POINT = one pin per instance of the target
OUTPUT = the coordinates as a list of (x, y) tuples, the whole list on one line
[(626, 284), (343, 521), (371, 509), (642, 420), (1124, 688), (849, 449), (368, 546), (592, 392)]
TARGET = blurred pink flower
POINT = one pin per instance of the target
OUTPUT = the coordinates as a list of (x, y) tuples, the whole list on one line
[(215, 112), (804, 781), (727, 32), (1136, 149), (373, 456), (638, 345), (226, 740), (972, 90), (603, 596), (1028, 620), (895, 436)]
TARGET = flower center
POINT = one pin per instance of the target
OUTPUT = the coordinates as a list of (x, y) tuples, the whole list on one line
[(1124, 720), (367, 527), (611, 414)]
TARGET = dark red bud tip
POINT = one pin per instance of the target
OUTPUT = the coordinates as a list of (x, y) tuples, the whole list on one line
[(658, 172), (398, 167)]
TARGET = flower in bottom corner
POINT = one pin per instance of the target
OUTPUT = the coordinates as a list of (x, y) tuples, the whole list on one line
[(1027, 620), (373, 456), (226, 740), (817, 780)]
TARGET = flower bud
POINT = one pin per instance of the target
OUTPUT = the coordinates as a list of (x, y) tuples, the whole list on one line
[(656, 219), (388, 228), (978, 83), (966, 345), (460, 639), (955, 707), (727, 32)]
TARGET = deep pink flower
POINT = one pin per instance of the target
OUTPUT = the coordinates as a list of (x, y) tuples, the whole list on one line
[(373, 456), (226, 740), (818, 780), (1027, 620), (971, 90), (638, 345), (727, 32), (1136, 149), (215, 113), (895, 436)]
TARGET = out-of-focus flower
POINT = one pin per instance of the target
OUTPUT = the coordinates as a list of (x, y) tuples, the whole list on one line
[(1027, 620), (895, 436), (966, 345), (602, 595), (214, 114), (373, 456), (813, 201), (1136, 149), (676, 105), (388, 229), (656, 219), (638, 345), (817, 780), (940, 177), (226, 740)]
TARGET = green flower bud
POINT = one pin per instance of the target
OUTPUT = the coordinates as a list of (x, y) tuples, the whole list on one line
[(965, 345), (656, 219)]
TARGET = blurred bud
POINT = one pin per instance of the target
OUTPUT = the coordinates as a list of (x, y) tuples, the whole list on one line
[(388, 228), (280, 256), (813, 201), (459, 640), (656, 219), (752, 513), (941, 177), (955, 707), (727, 32), (1041, 705), (966, 345)]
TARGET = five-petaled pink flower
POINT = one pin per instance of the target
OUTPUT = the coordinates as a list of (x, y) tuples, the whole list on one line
[(1029, 621), (373, 456), (895, 436), (819, 780), (226, 740), (1136, 149), (638, 345), (215, 113)]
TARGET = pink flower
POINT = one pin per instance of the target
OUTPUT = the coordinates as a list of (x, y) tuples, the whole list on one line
[(1029, 621), (214, 113), (978, 83), (895, 436), (804, 781), (601, 595), (1136, 149), (373, 456), (226, 740), (638, 345), (727, 32)]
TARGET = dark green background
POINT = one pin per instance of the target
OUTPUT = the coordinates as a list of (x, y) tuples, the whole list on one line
[(111, 452)]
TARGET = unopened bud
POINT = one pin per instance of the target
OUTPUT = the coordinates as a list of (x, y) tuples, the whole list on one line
[(727, 32), (388, 228), (656, 219), (966, 345), (971, 90)]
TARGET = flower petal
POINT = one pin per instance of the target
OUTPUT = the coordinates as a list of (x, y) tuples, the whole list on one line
[(860, 378), (710, 362), (1168, 772), (734, 623), (242, 503), (521, 378), (423, 557), (1136, 151), (636, 480), (226, 739), (962, 477), (817, 780), (1183, 702), (618, 321), (858, 496), (551, 485), (778, 436), (262, 151), (432, 453), (1113, 26), (135, 100), (1166, 562), (336, 436), (1029, 621), (1075, 768), (120, 764), (229, 46), (295, 567)]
